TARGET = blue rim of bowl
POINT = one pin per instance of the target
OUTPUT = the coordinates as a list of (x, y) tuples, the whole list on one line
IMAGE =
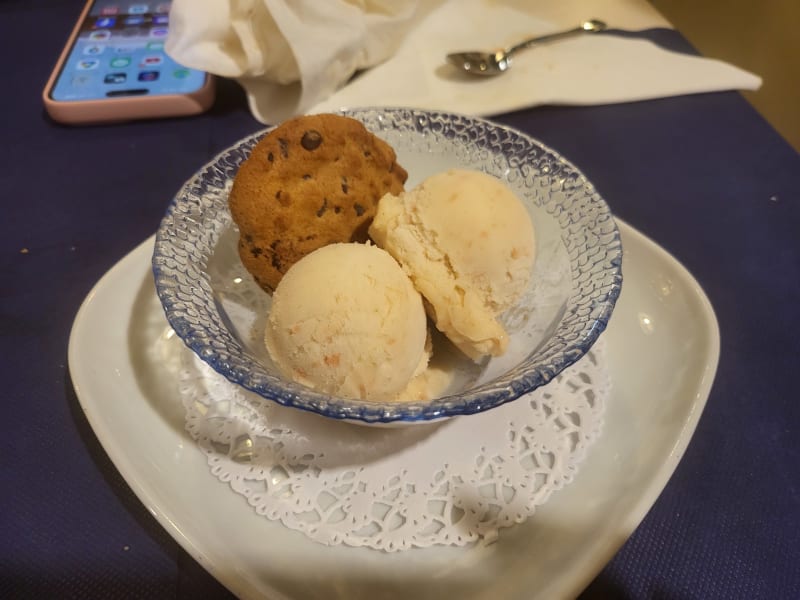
[(249, 374)]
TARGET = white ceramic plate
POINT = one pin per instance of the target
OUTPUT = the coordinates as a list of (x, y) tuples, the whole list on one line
[(663, 345)]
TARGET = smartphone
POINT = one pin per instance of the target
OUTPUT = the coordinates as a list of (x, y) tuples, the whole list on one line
[(114, 68)]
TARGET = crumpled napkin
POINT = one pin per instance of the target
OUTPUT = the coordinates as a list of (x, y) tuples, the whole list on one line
[(299, 56), (287, 54)]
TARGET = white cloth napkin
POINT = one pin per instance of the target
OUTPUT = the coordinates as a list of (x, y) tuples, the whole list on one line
[(298, 56)]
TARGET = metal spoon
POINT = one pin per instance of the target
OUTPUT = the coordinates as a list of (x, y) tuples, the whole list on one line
[(495, 63)]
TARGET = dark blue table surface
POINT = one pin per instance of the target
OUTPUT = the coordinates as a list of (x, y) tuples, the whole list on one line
[(702, 175)]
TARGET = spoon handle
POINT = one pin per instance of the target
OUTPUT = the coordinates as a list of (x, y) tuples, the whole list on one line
[(591, 26)]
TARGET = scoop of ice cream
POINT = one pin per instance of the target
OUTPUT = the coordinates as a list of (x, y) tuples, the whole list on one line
[(467, 243), (346, 320)]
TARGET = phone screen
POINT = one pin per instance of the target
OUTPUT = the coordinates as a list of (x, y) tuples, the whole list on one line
[(119, 52)]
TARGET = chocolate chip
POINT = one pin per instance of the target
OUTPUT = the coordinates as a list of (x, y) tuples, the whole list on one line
[(248, 238), (344, 185), (270, 157), (323, 208), (275, 261), (337, 209), (256, 251), (284, 147), (311, 140), (359, 209), (367, 153), (306, 177)]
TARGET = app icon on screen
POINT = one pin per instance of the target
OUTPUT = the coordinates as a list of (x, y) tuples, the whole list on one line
[(137, 9), (134, 20), (81, 80), (181, 73), (109, 10), (155, 45), (125, 49), (100, 36), (120, 62), (115, 78), (151, 61), (148, 76), (159, 32), (105, 22), (160, 19), (87, 64), (93, 50)]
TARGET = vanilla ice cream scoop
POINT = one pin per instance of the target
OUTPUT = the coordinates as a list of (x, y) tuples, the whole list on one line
[(346, 320), (467, 243)]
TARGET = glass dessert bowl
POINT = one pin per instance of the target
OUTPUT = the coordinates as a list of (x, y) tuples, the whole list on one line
[(219, 311)]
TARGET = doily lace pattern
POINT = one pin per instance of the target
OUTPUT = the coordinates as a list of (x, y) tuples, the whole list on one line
[(453, 482)]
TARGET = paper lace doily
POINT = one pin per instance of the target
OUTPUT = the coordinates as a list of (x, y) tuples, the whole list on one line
[(455, 482)]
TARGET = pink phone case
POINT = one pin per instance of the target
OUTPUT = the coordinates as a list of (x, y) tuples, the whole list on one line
[(121, 109)]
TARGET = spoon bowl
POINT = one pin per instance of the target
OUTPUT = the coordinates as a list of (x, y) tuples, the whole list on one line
[(489, 64)]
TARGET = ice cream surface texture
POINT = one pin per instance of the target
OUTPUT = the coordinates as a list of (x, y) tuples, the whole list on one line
[(467, 242), (345, 320)]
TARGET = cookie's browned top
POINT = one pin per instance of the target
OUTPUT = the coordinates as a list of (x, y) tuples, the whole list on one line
[(312, 181)]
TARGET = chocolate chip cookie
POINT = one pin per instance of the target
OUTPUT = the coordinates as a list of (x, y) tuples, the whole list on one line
[(312, 181)]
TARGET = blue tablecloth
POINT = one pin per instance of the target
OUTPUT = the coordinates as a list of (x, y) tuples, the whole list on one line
[(705, 176)]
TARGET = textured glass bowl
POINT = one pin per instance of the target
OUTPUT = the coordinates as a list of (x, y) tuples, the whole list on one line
[(219, 312)]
